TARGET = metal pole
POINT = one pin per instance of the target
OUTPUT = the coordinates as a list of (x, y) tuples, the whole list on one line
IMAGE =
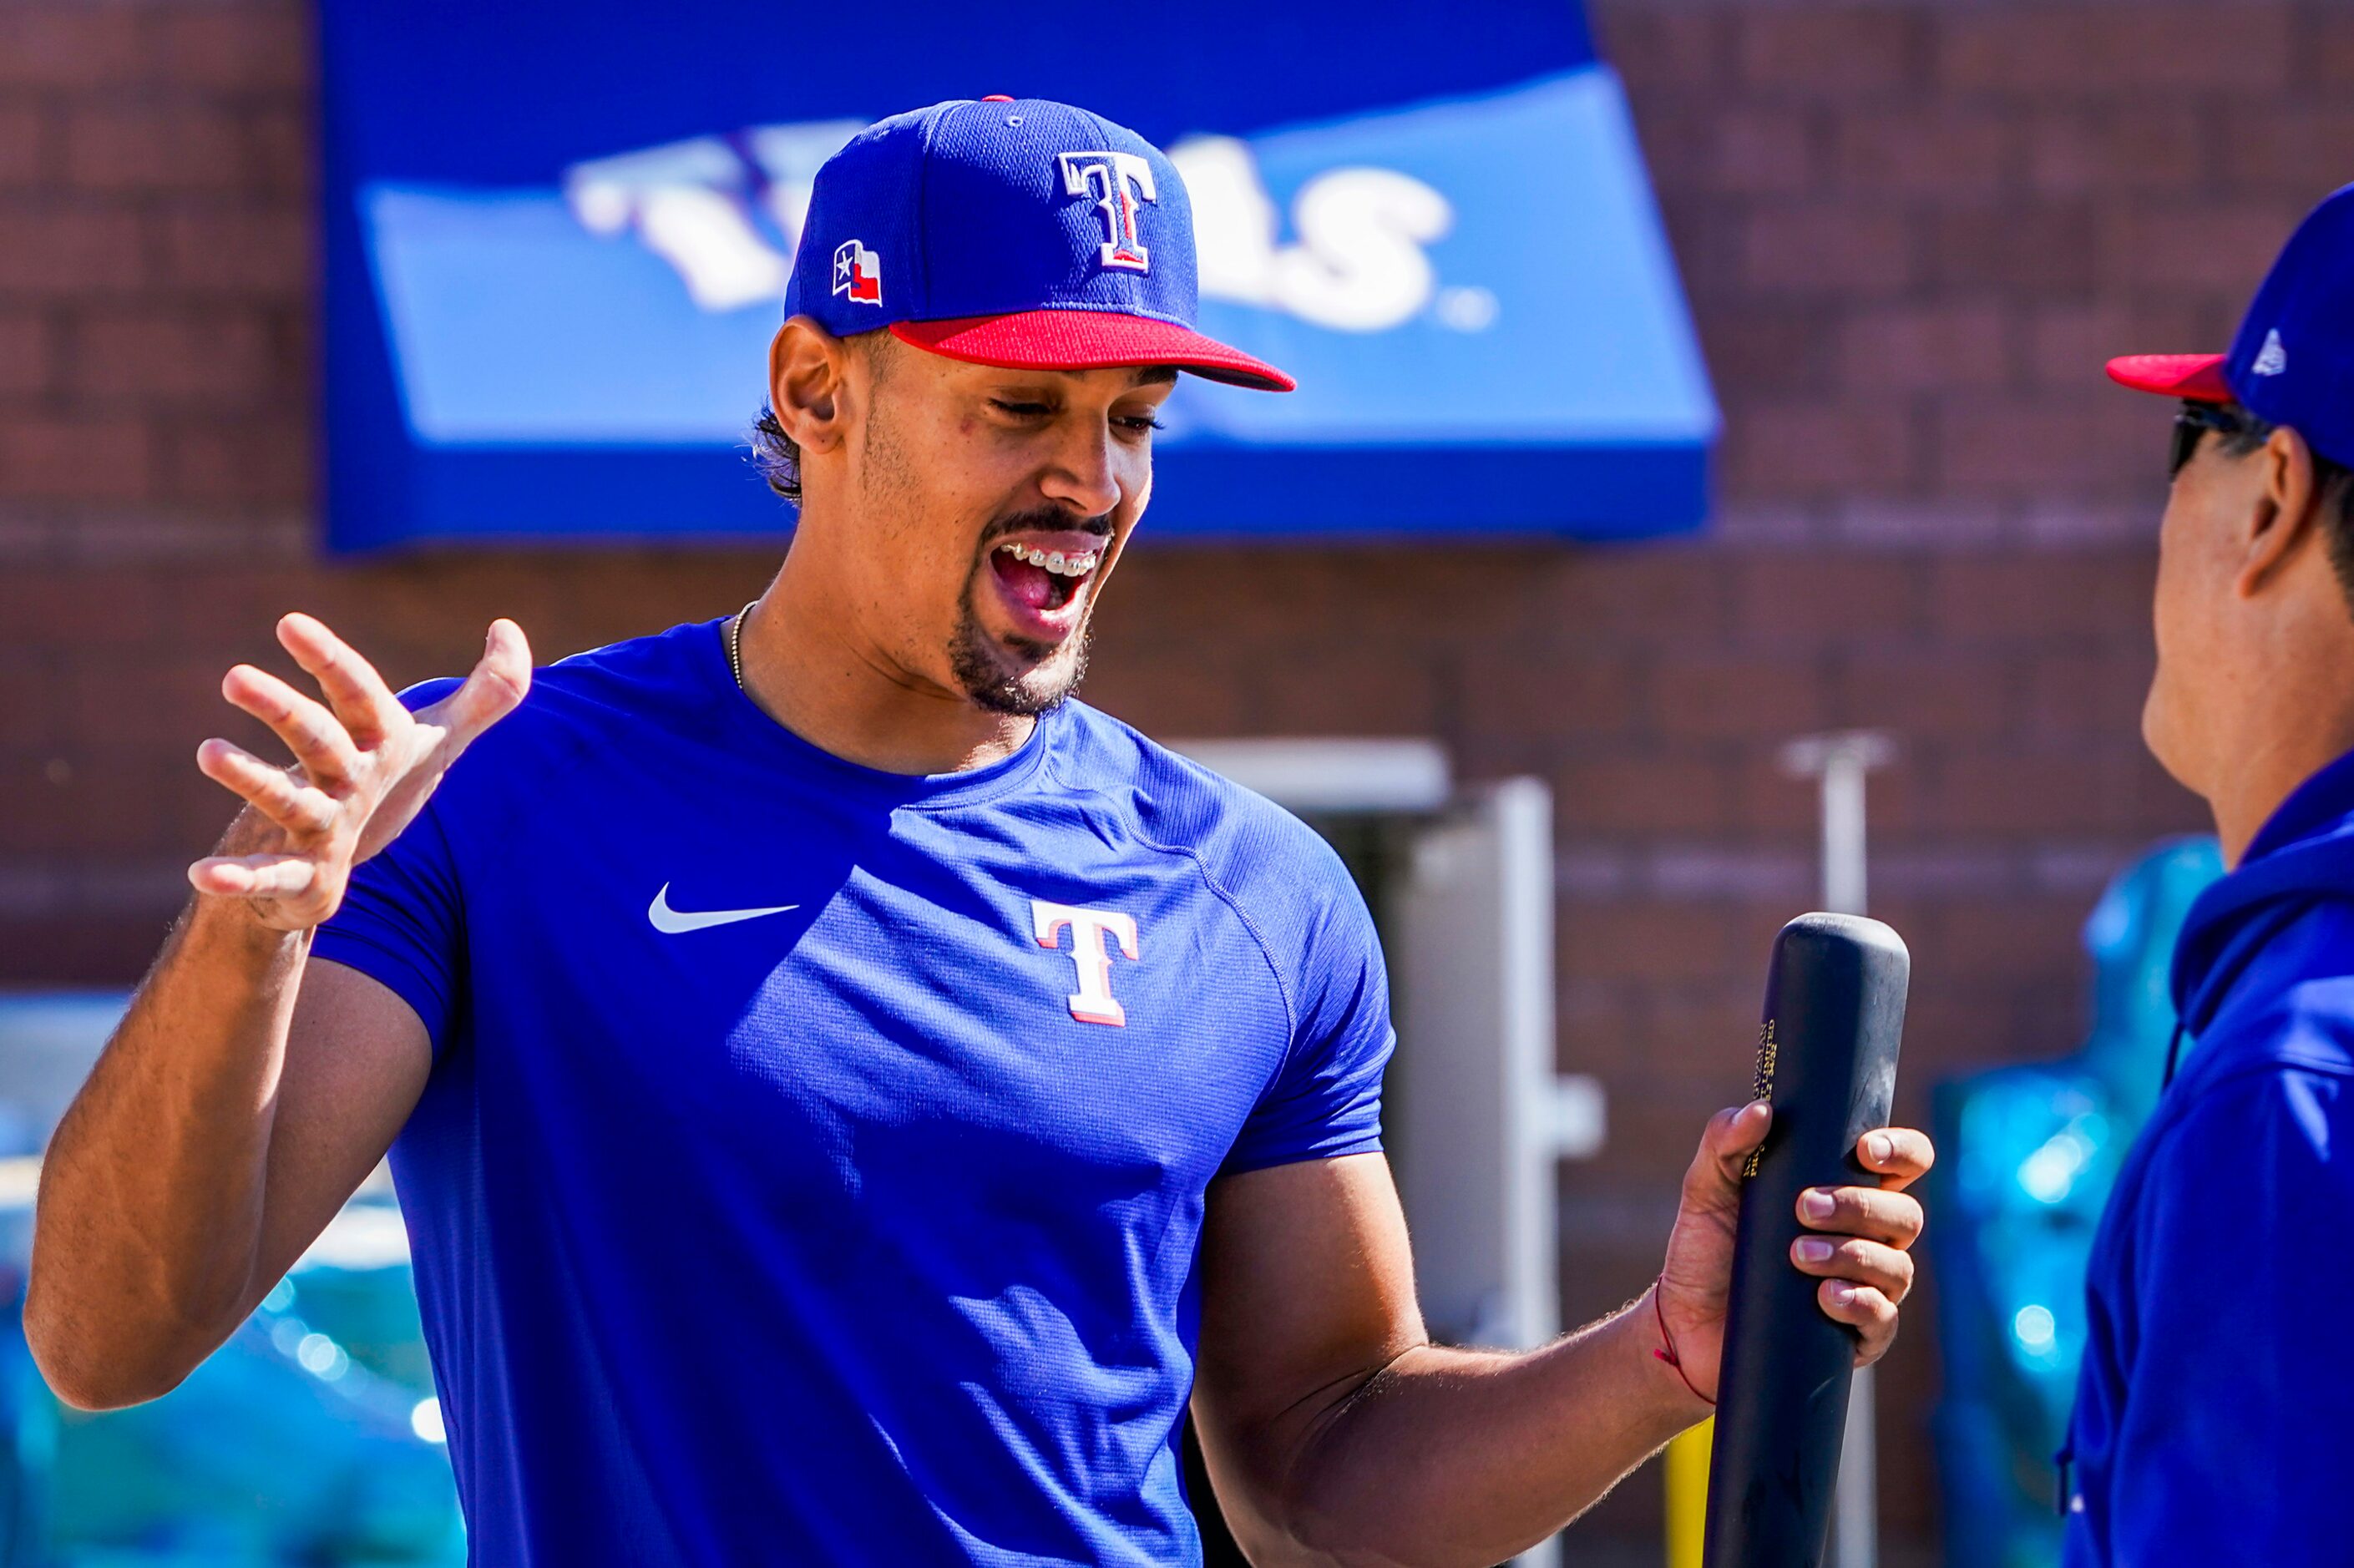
[(1842, 761), (1844, 862)]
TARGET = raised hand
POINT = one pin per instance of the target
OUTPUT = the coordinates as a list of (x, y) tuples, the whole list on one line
[(364, 767)]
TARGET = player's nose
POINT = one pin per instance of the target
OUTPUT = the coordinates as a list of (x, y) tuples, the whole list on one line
[(1085, 473)]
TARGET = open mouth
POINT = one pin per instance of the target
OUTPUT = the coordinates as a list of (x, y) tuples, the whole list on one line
[(1041, 581)]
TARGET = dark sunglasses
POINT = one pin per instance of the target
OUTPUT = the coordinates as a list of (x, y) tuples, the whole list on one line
[(2195, 421)]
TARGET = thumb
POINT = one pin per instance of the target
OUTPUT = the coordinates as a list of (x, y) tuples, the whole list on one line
[(492, 690), (1732, 1136)]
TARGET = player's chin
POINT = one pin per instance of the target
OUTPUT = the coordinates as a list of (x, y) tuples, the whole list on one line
[(1015, 675)]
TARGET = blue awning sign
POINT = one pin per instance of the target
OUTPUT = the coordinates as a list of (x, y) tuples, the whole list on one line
[(1472, 288)]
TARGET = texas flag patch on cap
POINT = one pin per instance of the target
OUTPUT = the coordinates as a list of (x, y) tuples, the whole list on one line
[(857, 273)]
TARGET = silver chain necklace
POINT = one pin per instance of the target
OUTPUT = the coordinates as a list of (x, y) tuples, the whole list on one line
[(736, 647)]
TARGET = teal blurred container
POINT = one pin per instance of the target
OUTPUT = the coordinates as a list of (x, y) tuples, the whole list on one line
[(2028, 1155), (312, 1438)]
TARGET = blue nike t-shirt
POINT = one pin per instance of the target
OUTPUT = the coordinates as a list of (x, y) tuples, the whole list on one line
[(813, 1165)]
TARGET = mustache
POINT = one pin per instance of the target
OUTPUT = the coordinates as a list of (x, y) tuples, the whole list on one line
[(1044, 520)]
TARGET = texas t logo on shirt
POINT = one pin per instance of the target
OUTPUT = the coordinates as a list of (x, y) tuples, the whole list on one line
[(1118, 181), (857, 272), (1093, 1003)]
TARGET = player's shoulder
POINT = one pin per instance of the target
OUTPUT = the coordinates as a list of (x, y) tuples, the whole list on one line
[(2275, 1075), (2295, 1048), (592, 700), (2268, 1140), (2291, 1005), (1252, 849)]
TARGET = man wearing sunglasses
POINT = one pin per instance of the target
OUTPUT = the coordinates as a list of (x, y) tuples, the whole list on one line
[(2210, 1410)]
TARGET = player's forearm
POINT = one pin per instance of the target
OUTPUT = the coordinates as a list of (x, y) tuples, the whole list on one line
[(150, 1201), (1460, 1458)]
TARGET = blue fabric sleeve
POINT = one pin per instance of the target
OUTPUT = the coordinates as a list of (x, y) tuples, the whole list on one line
[(2230, 1443), (1327, 1099), (402, 920)]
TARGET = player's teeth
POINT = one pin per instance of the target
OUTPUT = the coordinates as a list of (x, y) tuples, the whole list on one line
[(1055, 561)]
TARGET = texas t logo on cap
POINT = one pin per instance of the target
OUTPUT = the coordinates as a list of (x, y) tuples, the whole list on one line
[(857, 275), (1117, 180), (1017, 233)]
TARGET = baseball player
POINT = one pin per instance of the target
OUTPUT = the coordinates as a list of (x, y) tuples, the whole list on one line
[(2208, 1425), (847, 1098)]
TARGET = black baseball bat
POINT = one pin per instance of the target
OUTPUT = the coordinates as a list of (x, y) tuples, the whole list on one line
[(1826, 1058)]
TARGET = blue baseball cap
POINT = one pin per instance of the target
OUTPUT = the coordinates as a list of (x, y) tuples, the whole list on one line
[(1010, 231), (2293, 363)]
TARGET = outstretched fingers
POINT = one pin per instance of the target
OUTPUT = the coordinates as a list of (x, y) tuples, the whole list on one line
[(315, 737), (304, 810), (361, 701), (253, 876), (491, 690)]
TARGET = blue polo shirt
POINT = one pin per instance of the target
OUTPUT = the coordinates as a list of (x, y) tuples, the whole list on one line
[(813, 1165)]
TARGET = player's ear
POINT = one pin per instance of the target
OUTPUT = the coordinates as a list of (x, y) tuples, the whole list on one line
[(806, 383), (2284, 516)]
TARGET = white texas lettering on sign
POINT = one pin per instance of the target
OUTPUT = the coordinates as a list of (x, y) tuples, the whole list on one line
[(1093, 1001), (1360, 263), (697, 205)]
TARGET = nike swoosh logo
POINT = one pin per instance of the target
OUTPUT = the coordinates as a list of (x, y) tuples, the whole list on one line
[(669, 922)]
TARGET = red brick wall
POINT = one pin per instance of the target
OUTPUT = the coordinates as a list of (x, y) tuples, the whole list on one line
[(1910, 231)]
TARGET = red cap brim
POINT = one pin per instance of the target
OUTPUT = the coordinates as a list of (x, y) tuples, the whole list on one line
[(2195, 376), (1088, 340)]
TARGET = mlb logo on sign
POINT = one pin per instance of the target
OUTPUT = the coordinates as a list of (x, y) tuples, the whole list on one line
[(857, 273)]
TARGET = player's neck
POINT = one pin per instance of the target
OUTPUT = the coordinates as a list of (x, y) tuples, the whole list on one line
[(845, 698), (2294, 722), (2263, 780)]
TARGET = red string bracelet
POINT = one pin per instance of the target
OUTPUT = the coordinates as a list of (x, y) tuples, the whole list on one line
[(1668, 1354)]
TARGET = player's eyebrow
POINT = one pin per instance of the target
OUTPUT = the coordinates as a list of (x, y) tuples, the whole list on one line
[(1153, 375)]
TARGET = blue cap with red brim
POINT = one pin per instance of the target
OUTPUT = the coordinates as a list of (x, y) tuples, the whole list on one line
[(1017, 232), (2293, 362)]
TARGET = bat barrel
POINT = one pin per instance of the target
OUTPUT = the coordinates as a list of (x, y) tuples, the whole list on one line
[(1826, 1050)]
